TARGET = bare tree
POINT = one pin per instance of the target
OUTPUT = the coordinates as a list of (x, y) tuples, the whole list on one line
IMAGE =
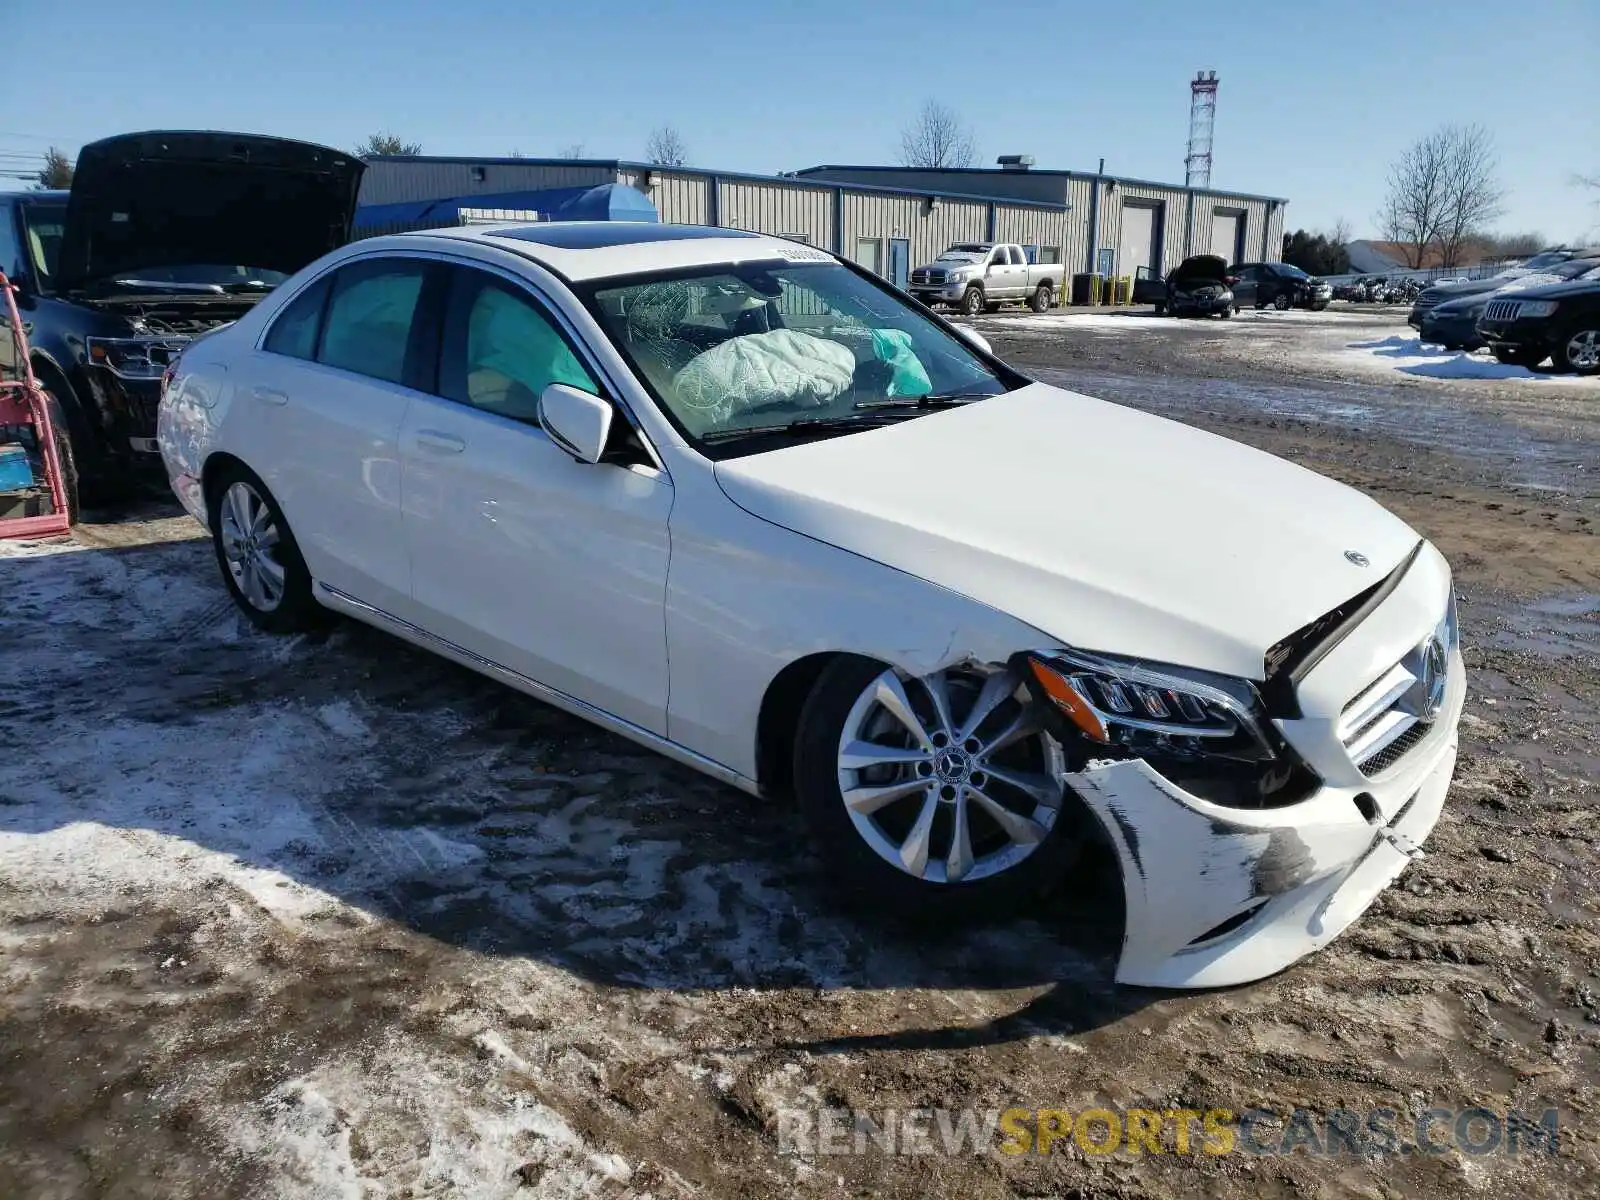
[(1413, 209), (1512, 245), (575, 150), (937, 137), (516, 152), (1442, 191), (1473, 196), (57, 170), (1340, 234), (385, 143), (666, 147)]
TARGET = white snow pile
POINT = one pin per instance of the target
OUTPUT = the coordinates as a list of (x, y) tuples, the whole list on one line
[(1413, 356)]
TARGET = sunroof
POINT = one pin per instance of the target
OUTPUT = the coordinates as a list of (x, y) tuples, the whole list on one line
[(594, 235)]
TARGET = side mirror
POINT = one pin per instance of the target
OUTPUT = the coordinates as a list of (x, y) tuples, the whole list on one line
[(973, 338), (576, 421)]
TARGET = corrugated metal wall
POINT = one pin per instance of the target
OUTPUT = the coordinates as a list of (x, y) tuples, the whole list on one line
[(780, 208), (682, 198), (930, 230), (1023, 185), (1034, 227), (426, 179)]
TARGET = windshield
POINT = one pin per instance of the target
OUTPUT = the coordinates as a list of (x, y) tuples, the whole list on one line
[(758, 346), (45, 223)]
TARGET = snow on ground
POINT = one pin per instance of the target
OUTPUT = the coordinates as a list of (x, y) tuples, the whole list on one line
[(1413, 356)]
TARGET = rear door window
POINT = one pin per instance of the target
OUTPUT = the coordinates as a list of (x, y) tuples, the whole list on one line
[(1016, 257), (368, 326)]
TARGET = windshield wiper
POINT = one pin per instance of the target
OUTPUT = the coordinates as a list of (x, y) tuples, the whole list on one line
[(803, 425), (942, 400)]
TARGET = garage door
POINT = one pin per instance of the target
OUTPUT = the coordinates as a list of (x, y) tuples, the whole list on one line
[(1227, 234), (1138, 248)]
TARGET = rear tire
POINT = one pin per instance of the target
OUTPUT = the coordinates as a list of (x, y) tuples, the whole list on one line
[(972, 301), (260, 561), (1160, 308), (902, 853), (1225, 313), (1041, 298), (1281, 302)]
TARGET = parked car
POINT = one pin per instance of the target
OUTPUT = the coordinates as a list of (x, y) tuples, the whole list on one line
[(1200, 286), (1454, 324), (706, 490), (162, 237), (980, 276), (1559, 321), (1440, 292), (1279, 284)]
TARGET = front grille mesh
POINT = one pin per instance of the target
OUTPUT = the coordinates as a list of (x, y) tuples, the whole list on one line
[(1394, 751), (1502, 310)]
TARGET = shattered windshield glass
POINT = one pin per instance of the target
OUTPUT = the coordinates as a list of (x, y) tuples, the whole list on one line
[(753, 347)]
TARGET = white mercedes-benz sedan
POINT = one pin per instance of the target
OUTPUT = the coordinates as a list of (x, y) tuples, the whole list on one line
[(743, 503)]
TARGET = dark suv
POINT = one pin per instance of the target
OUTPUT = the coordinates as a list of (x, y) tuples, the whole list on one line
[(1560, 321), (162, 237), (1278, 284)]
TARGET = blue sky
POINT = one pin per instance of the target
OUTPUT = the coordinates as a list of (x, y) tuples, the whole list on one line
[(1316, 98)]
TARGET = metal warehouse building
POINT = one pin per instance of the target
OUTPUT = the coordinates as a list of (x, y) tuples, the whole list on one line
[(890, 219)]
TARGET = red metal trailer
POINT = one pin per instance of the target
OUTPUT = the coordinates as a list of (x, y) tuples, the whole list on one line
[(25, 408)]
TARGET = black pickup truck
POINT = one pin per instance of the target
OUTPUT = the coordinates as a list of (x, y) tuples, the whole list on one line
[(162, 237)]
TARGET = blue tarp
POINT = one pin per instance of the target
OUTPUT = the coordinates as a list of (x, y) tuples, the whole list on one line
[(607, 202)]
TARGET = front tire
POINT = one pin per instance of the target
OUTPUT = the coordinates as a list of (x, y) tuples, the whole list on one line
[(935, 798), (260, 561), (972, 301), (1041, 298), (1579, 351), (66, 456)]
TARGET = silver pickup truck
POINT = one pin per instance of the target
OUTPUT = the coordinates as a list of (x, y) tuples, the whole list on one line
[(981, 276)]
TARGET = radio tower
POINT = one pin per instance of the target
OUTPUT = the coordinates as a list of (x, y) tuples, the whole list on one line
[(1202, 117)]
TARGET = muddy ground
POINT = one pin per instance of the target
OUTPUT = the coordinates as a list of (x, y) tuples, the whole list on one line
[(328, 917)]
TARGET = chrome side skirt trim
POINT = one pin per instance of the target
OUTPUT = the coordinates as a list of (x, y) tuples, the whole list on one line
[(362, 611)]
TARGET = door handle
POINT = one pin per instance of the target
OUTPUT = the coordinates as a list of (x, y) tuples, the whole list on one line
[(440, 443), (270, 395)]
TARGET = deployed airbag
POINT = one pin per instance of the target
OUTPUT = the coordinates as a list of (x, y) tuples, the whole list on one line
[(777, 368)]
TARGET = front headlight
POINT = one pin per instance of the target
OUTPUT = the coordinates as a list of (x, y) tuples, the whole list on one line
[(1206, 733), (132, 358), (1536, 308)]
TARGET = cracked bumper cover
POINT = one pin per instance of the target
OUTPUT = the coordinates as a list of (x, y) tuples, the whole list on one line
[(1280, 882)]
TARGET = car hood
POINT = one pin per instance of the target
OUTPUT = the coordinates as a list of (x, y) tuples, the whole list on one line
[(1101, 526), (165, 199), (1555, 291), (1202, 268)]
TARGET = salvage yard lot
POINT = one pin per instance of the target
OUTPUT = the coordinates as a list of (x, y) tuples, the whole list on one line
[(330, 917)]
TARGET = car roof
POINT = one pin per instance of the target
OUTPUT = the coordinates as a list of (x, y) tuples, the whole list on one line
[(37, 194), (588, 250)]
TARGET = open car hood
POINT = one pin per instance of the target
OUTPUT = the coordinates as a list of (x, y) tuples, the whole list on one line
[(165, 199), (1202, 268)]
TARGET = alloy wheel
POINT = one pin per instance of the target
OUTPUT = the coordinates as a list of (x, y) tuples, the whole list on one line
[(250, 541), (1583, 350), (949, 778)]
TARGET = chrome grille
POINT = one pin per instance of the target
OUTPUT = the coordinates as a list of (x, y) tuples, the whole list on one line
[(1502, 310), (923, 275), (1395, 712)]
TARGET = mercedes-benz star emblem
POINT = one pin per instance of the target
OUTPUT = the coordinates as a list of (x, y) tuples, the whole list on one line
[(1360, 559), (1435, 676)]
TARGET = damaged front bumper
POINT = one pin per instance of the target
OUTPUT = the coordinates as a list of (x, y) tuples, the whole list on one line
[(1217, 895)]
